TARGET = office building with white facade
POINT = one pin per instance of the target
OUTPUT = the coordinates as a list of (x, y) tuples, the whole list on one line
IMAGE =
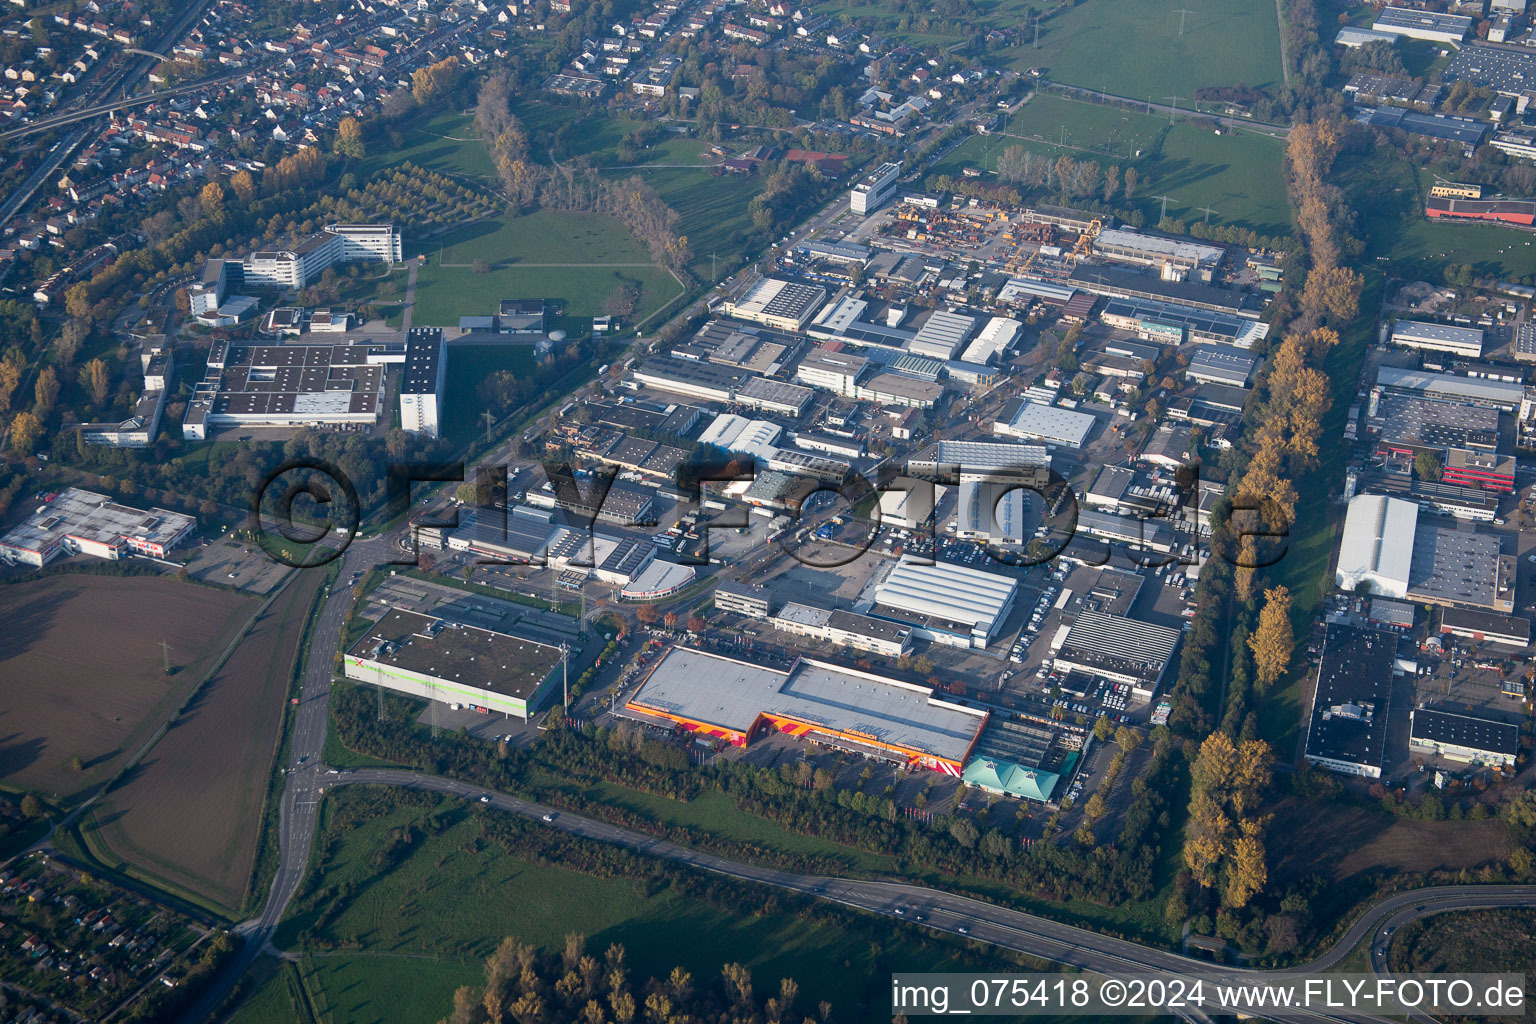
[(874, 189), (421, 386)]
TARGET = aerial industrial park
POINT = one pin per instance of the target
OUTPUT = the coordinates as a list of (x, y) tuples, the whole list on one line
[(710, 508)]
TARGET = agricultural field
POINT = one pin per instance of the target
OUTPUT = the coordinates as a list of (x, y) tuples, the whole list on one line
[(211, 767), (576, 259), (1236, 174), (452, 896), (1358, 841), (84, 670)]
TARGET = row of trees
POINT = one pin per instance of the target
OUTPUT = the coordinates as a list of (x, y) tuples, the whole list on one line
[(1003, 195), (578, 187), (1071, 178), (1103, 872), (1224, 838)]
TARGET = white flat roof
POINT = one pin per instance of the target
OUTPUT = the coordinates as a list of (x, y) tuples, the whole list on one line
[(1378, 542), (1497, 391), (738, 434), (1420, 330), (1051, 423), (1156, 245), (721, 691), (659, 577), (947, 591), (995, 339)]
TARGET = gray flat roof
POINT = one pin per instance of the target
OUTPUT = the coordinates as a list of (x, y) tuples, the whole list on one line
[(1463, 730), (455, 652), (716, 690), (1500, 69), (1455, 565)]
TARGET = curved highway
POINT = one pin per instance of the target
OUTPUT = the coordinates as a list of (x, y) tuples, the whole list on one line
[(999, 926), (984, 922)]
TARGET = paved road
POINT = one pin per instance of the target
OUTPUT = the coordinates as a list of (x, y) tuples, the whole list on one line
[(65, 147), (1011, 929), (998, 926), (1237, 123), (301, 797)]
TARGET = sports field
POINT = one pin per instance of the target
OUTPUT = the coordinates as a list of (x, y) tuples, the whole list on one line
[(577, 259), (211, 768), (84, 673), (1400, 239), (1237, 174), (1134, 48), (1129, 48)]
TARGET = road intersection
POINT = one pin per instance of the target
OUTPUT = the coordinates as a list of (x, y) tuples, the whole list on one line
[(1060, 943)]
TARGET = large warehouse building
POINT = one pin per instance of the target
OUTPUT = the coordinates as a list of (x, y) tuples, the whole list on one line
[(1468, 739), (285, 386), (785, 305), (736, 701), (78, 522), (1124, 650), (1387, 547), (1460, 341), (1377, 548), (1430, 25), (1048, 424), (947, 603), (1127, 245), (428, 657), (1348, 728)]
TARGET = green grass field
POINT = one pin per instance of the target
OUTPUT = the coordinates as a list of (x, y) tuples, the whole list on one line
[(443, 143), (1400, 240), (716, 812), (520, 251), (1086, 45), (1238, 175), (1124, 47), (453, 897), (712, 210), (444, 295), (541, 237)]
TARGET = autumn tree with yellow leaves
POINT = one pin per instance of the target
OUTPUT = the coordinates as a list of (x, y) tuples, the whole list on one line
[(1272, 642), (576, 987), (1224, 840)]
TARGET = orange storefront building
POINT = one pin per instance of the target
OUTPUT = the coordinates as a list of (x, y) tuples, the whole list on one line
[(735, 701)]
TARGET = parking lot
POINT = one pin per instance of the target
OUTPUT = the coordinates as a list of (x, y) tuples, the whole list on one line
[(232, 563)]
